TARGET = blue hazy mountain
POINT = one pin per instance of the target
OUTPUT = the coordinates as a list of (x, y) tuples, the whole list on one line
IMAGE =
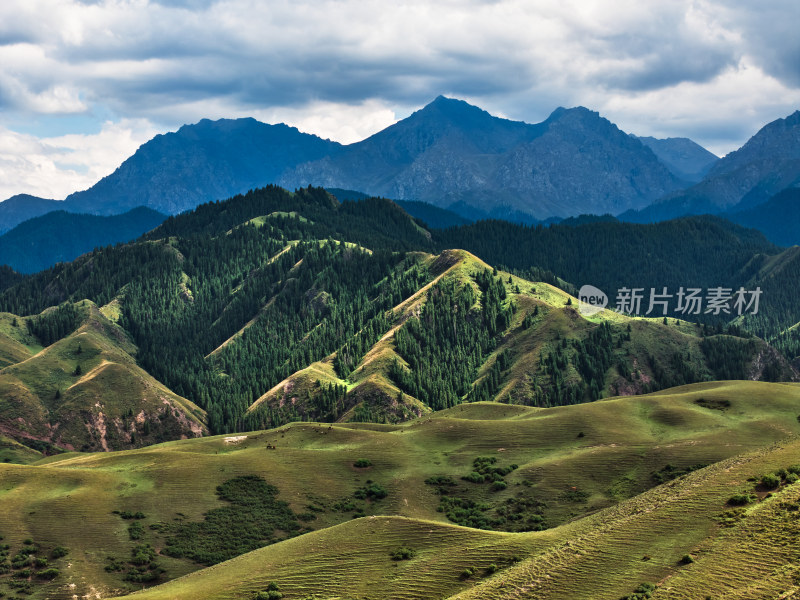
[(687, 160), (211, 160), (768, 163), (22, 207), (450, 153), (59, 236), (174, 172)]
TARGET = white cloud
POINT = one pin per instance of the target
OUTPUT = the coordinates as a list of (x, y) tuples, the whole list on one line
[(55, 167), (706, 109), (341, 122)]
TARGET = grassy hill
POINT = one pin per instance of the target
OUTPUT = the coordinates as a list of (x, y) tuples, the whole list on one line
[(539, 357), (672, 539), (575, 464), (84, 389)]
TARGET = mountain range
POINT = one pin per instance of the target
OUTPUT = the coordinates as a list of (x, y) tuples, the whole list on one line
[(451, 155), (448, 153), (451, 152), (273, 306)]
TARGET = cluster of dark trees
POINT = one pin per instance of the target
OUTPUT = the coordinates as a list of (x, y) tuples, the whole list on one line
[(451, 339), (203, 277), (56, 324)]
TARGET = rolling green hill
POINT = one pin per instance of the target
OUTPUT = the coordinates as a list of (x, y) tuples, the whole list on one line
[(582, 505)]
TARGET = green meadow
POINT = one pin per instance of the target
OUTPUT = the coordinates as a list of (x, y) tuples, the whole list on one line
[(580, 514)]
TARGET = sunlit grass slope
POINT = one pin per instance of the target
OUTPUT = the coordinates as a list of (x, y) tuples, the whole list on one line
[(606, 555), (577, 460)]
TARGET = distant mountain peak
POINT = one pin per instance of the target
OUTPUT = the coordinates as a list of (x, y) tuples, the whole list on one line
[(452, 109), (686, 159), (576, 112)]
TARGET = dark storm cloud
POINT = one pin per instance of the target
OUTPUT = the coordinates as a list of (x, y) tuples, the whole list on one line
[(769, 34), (288, 53), (665, 62)]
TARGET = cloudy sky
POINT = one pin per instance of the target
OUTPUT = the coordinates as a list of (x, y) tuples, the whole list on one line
[(84, 82)]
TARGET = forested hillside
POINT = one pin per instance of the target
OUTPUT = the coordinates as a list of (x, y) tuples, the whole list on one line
[(274, 307)]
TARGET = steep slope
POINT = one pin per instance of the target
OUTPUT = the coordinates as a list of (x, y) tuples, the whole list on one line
[(451, 152), (687, 160), (778, 319), (443, 127), (83, 390), (583, 164), (768, 163), (534, 349), (60, 236), (210, 160)]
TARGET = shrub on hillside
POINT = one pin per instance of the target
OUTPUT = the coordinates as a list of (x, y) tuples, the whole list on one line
[(474, 477), (253, 518), (440, 480), (403, 553), (741, 499), (271, 593), (135, 531), (127, 515), (574, 496), (373, 491), (48, 573), (770, 481), (362, 463)]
